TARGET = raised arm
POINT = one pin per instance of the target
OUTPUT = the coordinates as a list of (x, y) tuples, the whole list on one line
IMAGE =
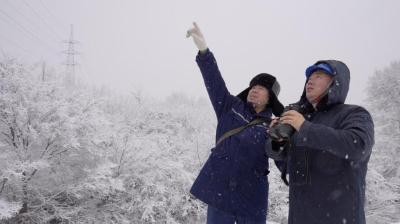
[(220, 97)]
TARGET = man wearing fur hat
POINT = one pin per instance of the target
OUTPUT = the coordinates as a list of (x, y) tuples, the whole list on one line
[(327, 156), (233, 181)]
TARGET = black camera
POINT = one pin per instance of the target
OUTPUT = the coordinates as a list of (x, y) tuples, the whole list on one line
[(283, 132)]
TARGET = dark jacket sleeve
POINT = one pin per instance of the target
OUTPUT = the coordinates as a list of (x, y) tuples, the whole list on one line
[(220, 97), (353, 139), (281, 165)]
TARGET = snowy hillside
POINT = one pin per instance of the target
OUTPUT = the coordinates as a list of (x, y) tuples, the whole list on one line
[(81, 155)]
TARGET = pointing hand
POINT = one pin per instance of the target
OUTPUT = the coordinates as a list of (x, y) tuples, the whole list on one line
[(198, 37)]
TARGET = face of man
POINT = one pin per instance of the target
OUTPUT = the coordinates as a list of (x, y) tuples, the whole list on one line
[(258, 95), (316, 85)]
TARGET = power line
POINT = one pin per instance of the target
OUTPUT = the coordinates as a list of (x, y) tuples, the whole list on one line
[(41, 18), (51, 14), (25, 30), (26, 18), (15, 44)]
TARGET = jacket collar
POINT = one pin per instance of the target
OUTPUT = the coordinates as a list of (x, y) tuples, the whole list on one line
[(266, 113)]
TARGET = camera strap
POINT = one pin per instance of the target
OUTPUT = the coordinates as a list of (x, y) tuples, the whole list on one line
[(239, 129)]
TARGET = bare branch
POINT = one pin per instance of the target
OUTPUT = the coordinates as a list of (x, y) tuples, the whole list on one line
[(48, 145), (3, 184), (31, 175)]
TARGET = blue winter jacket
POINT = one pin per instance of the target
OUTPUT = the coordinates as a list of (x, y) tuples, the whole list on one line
[(234, 178), (328, 157)]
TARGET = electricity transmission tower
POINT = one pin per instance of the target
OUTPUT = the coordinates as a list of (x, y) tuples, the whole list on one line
[(70, 79)]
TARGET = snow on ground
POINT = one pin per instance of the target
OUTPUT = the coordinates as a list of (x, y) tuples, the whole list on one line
[(8, 209)]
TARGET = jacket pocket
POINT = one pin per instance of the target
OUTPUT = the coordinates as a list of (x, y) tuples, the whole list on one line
[(327, 163), (299, 167), (219, 160)]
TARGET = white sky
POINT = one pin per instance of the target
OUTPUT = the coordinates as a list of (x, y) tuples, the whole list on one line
[(141, 45)]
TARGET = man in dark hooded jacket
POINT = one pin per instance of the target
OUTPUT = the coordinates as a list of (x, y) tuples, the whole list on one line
[(328, 154)]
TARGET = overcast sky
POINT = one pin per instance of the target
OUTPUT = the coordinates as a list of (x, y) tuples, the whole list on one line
[(140, 45)]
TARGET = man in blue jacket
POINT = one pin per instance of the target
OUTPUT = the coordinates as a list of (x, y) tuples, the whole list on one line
[(328, 154), (233, 181)]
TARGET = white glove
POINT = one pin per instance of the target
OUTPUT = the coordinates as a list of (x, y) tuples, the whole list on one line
[(197, 37)]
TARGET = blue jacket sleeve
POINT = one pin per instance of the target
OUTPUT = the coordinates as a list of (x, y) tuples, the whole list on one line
[(220, 97), (353, 139)]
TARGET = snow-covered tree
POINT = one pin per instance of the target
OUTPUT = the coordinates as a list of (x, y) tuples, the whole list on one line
[(384, 103), (42, 127), (83, 155), (383, 177)]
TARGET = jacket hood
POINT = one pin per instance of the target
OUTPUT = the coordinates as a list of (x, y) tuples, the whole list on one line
[(339, 88)]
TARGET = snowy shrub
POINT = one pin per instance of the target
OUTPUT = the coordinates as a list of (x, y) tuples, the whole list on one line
[(81, 155), (383, 177)]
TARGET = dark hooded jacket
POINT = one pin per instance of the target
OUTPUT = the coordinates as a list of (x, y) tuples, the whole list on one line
[(234, 178), (328, 157)]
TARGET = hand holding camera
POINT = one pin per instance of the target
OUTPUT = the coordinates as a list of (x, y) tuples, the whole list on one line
[(284, 127)]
